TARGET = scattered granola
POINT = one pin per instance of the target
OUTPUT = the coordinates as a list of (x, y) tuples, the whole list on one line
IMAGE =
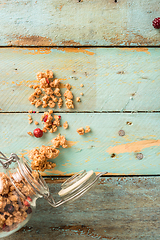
[(82, 85), (65, 125), (30, 119), (80, 131), (59, 141), (81, 93), (36, 123), (30, 111), (78, 99), (87, 130)]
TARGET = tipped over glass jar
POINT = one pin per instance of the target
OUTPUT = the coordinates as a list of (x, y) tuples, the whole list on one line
[(20, 187)]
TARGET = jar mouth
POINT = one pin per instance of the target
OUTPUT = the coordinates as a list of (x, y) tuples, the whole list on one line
[(33, 178)]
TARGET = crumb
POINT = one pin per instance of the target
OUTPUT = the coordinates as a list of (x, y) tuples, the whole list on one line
[(50, 111), (82, 85), (80, 131), (36, 123), (30, 119), (78, 99), (68, 86), (87, 129), (81, 93), (37, 112), (59, 141), (31, 86), (30, 111), (30, 133), (65, 125)]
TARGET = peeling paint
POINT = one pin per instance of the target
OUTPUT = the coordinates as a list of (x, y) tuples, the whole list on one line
[(76, 50), (71, 143), (133, 147), (30, 41), (145, 50)]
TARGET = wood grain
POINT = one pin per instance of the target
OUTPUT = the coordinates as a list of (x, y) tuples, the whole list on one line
[(101, 150), (121, 79), (117, 208), (79, 23)]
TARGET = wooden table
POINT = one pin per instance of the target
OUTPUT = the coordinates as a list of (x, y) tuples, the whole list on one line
[(112, 48)]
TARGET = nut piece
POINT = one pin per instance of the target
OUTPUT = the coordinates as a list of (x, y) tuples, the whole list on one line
[(87, 129), (65, 125), (68, 86), (81, 93), (78, 99), (80, 131)]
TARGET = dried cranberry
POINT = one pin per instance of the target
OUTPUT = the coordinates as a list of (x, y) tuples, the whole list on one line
[(4, 225), (45, 118), (9, 208), (29, 199), (26, 203), (38, 133), (29, 210), (47, 80), (34, 111), (59, 117)]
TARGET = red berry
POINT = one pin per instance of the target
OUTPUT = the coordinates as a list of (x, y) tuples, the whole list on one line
[(26, 203), (45, 118), (34, 111), (4, 225), (38, 133), (156, 23), (29, 199), (47, 80), (59, 117)]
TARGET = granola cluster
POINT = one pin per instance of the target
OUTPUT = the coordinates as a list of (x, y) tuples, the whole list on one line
[(49, 91), (41, 156), (51, 124), (13, 208)]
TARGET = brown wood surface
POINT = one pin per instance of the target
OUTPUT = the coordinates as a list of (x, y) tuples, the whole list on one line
[(117, 208)]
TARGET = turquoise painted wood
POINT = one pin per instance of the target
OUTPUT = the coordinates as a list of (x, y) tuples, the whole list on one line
[(117, 208), (114, 79), (79, 23), (101, 150)]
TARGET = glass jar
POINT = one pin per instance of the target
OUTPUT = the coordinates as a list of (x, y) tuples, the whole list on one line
[(20, 187)]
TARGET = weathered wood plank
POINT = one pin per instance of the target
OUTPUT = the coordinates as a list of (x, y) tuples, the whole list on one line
[(101, 150), (114, 79), (77, 23), (118, 208)]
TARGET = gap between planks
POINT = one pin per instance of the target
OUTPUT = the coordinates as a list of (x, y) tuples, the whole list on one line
[(84, 46), (87, 112), (62, 179)]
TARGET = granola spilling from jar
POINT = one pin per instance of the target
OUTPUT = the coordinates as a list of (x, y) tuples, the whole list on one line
[(14, 208)]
